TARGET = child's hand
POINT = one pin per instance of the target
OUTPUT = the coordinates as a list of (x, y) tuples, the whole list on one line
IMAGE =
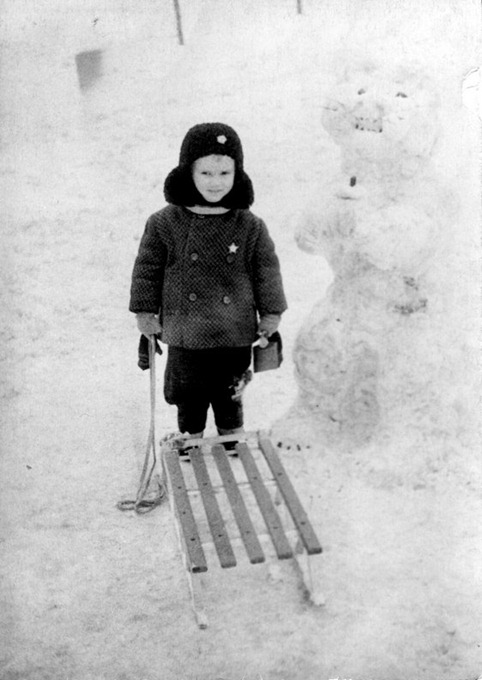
[(263, 339), (268, 324), (148, 323)]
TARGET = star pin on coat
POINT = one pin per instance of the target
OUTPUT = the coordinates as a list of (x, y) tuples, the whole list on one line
[(233, 248)]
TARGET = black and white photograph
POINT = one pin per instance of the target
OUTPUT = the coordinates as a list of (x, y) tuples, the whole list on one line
[(241, 340)]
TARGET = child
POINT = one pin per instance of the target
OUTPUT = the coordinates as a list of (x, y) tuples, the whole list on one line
[(207, 279)]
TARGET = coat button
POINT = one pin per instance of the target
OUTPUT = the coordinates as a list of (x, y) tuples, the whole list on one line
[(230, 258), (226, 299), (193, 297), (194, 257)]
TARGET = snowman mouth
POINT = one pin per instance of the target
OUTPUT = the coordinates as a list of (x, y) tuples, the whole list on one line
[(368, 124)]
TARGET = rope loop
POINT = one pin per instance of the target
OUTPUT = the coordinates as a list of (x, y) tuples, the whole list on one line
[(145, 502)]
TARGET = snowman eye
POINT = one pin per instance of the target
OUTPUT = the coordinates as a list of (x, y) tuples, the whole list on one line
[(361, 91), (401, 94)]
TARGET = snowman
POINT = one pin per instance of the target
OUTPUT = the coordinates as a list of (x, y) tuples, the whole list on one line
[(366, 359)]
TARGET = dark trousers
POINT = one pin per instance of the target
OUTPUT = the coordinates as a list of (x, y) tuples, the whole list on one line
[(196, 379)]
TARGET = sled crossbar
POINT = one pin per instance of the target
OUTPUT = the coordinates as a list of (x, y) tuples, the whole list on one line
[(213, 513), (268, 510), (243, 520), (192, 541), (297, 512)]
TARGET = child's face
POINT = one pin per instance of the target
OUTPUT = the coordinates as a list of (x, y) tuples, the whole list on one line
[(213, 176)]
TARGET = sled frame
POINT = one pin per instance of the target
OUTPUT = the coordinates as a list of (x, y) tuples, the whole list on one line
[(211, 473)]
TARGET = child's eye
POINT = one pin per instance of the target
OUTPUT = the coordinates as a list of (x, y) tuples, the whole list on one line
[(401, 94)]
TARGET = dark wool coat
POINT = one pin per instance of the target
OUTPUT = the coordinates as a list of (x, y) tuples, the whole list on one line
[(209, 276)]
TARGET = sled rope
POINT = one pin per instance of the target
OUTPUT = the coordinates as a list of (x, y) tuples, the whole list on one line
[(146, 502)]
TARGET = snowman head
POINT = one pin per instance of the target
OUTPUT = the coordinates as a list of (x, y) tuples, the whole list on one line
[(383, 118)]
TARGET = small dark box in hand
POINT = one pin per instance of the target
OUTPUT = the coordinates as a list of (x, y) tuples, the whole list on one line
[(269, 357)]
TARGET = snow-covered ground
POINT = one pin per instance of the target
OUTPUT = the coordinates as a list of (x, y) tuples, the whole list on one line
[(94, 594)]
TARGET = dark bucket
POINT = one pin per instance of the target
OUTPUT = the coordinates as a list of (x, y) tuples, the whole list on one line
[(89, 68)]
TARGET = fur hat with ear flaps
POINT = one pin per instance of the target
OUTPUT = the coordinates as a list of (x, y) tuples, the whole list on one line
[(203, 140)]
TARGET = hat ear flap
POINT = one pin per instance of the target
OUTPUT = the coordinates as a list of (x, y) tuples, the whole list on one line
[(242, 193), (179, 188), (247, 192)]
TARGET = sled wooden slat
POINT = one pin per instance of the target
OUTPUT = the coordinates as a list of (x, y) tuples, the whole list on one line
[(300, 518), (195, 553), (266, 505), (240, 512), (213, 513)]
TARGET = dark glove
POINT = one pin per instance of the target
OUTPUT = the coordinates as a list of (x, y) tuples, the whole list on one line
[(143, 351)]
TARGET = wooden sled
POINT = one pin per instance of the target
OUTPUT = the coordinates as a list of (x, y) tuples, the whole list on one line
[(218, 498)]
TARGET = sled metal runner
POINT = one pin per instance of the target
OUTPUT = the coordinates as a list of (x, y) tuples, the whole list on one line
[(219, 499)]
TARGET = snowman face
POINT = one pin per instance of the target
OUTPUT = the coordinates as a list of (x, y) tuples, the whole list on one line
[(379, 115)]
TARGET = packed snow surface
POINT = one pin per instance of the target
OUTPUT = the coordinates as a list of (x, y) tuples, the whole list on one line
[(90, 593)]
